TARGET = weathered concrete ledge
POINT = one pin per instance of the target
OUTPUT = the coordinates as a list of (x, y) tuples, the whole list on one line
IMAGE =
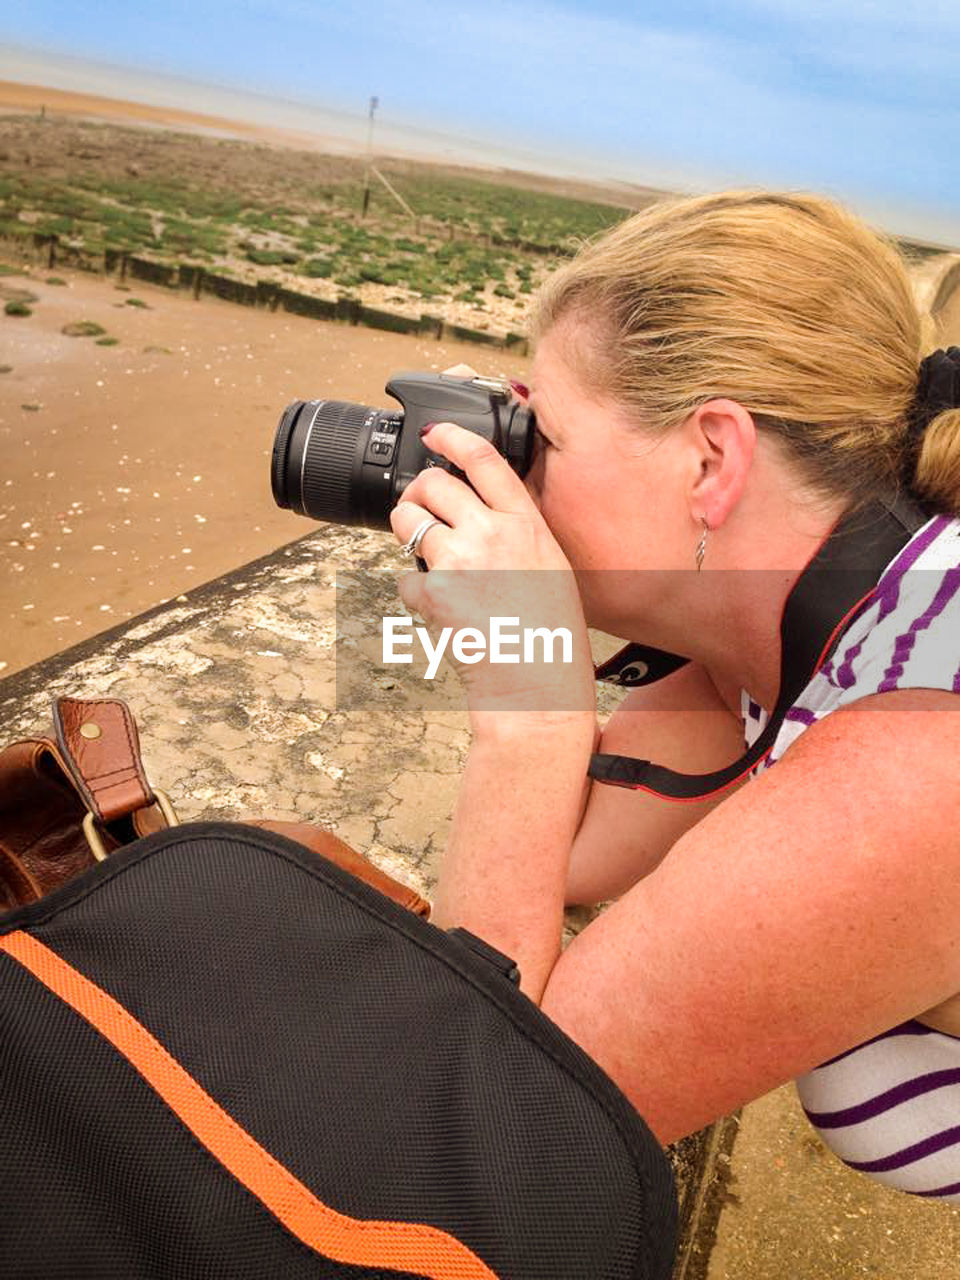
[(234, 689)]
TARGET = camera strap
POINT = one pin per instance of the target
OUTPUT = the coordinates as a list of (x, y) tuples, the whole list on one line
[(834, 589)]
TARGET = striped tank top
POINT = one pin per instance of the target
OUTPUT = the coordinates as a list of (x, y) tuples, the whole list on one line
[(890, 1107)]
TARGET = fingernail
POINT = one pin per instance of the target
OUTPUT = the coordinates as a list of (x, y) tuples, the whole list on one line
[(519, 388), (428, 427)]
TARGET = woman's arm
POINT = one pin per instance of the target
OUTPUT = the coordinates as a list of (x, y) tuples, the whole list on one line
[(505, 867), (523, 789), (810, 911), (681, 722)]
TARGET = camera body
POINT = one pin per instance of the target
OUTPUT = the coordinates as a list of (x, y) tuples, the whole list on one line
[(349, 463)]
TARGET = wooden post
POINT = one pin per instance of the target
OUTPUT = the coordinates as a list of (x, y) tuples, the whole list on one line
[(374, 103)]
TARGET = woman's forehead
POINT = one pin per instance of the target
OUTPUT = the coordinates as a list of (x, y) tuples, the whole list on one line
[(573, 349), (553, 363)]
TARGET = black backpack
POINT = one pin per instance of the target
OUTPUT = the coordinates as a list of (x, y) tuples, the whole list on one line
[(223, 1056)]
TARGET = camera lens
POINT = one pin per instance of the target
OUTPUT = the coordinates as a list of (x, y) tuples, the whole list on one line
[(334, 460), (350, 463)]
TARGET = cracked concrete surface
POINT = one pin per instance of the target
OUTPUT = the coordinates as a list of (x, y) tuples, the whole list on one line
[(235, 695)]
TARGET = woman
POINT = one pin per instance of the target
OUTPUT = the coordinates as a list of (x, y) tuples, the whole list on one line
[(718, 382)]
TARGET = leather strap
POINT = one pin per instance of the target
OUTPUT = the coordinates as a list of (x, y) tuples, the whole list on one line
[(99, 745), (95, 763), (336, 850)]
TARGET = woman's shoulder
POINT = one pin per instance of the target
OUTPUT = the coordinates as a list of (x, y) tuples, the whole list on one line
[(908, 637)]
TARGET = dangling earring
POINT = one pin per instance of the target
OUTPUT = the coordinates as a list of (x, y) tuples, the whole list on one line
[(702, 545)]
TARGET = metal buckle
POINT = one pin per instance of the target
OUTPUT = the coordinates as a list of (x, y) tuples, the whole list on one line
[(94, 839)]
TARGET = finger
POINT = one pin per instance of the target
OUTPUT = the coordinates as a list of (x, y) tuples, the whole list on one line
[(406, 518), (410, 590), (490, 474), (445, 495)]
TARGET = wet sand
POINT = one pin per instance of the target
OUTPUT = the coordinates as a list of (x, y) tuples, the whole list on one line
[(145, 473), (15, 97)]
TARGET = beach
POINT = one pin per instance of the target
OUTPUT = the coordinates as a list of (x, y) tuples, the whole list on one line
[(137, 471)]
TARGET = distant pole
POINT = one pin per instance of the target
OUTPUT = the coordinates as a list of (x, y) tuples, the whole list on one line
[(374, 103)]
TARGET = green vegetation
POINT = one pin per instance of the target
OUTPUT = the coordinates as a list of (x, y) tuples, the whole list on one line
[(54, 280), (259, 212), (271, 257), (107, 342), (83, 329), (136, 302), (17, 307)]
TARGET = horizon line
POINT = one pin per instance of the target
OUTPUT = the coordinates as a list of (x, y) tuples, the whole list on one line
[(405, 133)]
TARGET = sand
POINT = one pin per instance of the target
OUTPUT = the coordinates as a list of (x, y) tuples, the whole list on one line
[(145, 470), (15, 97)]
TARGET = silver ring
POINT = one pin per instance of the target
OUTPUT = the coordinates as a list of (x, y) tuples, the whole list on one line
[(412, 548)]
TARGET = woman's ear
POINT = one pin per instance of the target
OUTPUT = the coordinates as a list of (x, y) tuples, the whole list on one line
[(723, 437)]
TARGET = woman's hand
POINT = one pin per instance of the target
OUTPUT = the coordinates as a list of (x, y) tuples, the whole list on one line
[(494, 557)]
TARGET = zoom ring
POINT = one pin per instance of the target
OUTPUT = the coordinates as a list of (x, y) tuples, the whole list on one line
[(328, 460)]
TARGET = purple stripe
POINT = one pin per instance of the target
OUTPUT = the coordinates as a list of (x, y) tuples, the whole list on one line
[(801, 715), (888, 589), (912, 552), (844, 676), (909, 1155), (904, 644), (950, 1190), (956, 682), (911, 1028), (885, 1101), (753, 709)]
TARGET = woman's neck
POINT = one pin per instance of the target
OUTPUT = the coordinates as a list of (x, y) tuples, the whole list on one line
[(741, 610)]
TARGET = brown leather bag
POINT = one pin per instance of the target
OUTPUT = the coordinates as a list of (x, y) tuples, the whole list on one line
[(69, 801)]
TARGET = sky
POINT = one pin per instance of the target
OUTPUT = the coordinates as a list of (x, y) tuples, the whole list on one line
[(855, 98)]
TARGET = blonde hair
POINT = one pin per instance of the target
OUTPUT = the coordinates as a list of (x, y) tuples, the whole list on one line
[(785, 303)]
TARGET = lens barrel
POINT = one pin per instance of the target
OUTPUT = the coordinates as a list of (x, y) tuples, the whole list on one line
[(332, 461), (350, 463)]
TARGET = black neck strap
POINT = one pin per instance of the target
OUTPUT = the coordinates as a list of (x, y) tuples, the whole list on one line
[(833, 589)]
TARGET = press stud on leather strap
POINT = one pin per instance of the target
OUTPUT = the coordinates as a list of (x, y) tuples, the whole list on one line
[(98, 742)]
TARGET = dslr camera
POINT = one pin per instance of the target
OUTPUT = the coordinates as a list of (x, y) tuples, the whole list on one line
[(350, 463)]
